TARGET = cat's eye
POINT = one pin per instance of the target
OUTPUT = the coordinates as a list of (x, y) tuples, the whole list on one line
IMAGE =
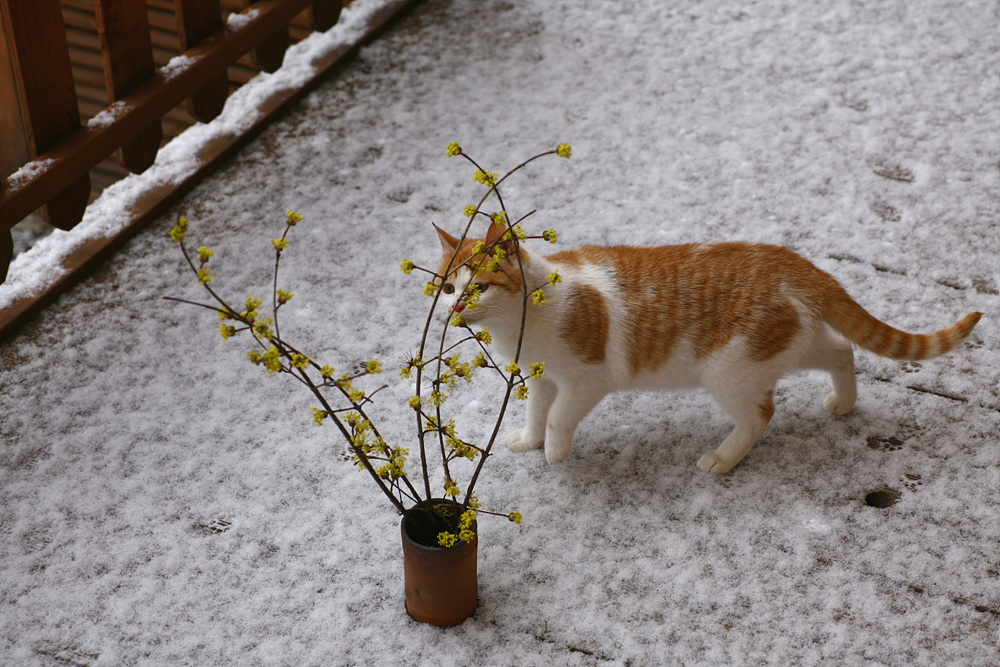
[(482, 287), (448, 288)]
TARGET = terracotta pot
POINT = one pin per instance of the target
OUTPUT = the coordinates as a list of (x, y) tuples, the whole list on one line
[(441, 584)]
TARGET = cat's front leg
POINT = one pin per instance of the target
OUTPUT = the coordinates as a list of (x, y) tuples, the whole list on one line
[(541, 394), (572, 404)]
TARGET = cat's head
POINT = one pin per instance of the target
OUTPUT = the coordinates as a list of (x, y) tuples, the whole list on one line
[(474, 283)]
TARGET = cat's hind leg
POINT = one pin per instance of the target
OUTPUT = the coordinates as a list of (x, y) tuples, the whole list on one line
[(834, 355), (541, 394), (752, 411)]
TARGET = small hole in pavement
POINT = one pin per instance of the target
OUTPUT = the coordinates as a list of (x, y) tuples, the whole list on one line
[(882, 498)]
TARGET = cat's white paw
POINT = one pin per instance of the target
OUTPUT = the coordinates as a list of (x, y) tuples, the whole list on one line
[(835, 406), (710, 461), (555, 455), (518, 441)]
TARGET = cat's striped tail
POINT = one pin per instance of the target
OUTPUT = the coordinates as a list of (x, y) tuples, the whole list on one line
[(861, 328)]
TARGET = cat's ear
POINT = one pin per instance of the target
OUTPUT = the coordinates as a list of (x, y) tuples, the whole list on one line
[(494, 234), (448, 242)]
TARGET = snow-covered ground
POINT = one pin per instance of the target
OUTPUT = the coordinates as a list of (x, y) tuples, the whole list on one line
[(166, 503)]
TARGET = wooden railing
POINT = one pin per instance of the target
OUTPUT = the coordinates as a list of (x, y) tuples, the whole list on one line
[(46, 152), (38, 101)]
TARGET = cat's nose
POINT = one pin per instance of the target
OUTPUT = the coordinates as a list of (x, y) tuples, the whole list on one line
[(459, 307)]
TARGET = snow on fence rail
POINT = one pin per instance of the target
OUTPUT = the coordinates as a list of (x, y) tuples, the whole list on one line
[(46, 152)]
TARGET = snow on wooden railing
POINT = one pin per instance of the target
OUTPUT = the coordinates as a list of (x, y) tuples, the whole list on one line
[(40, 127)]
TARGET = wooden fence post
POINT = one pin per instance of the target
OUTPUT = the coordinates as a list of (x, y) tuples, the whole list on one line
[(324, 14), (196, 20), (271, 52), (13, 141), (127, 52), (39, 55)]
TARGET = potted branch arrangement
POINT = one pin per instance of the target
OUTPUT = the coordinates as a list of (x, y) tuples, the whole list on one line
[(439, 529)]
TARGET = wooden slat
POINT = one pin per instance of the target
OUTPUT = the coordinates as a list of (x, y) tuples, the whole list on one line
[(6, 252), (196, 20), (269, 53), (127, 52), (13, 137), (46, 93), (324, 14)]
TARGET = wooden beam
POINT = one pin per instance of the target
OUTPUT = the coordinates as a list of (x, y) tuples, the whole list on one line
[(323, 14), (270, 53), (197, 20), (127, 52)]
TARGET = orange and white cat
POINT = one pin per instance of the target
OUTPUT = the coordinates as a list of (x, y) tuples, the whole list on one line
[(730, 317)]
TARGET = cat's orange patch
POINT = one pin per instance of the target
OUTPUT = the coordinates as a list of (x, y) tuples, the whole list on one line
[(586, 324), (708, 294)]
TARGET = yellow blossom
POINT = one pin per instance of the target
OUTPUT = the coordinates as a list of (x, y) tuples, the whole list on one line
[(299, 360), (430, 289), (262, 330), (227, 331), (205, 276), (564, 150), (415, 402), (521, 393), (284, 297), (272, 360), (178, 232), (466, 533), (319, 416), (205, 253), (255, 357), (292, 218), (554, 278), (279, 244), (374, 366), (326, 372), (550, 235), (518, 232), (515, 517), (454, 149), (484, 336), (457, 321), (537, 370), (513, 368), (451, 488), (538, 296), (487, 178), (407, 266), (446, 540), (469, 211)]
